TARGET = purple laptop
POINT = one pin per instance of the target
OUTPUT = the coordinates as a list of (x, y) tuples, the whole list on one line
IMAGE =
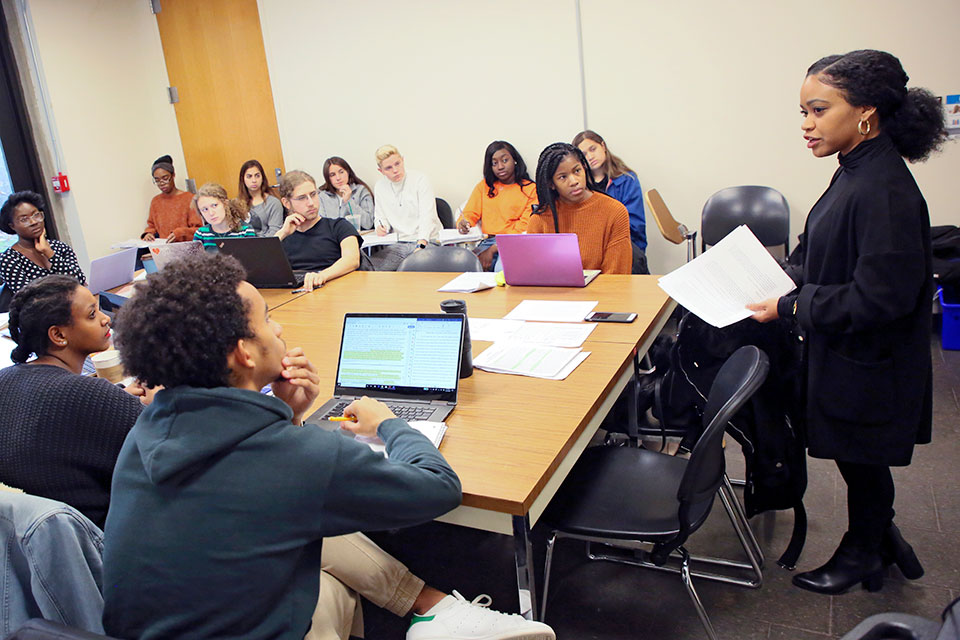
[(543, 260)]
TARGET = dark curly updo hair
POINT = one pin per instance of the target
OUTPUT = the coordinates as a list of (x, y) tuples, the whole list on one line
[(14, 201), (37, 306), (913, 118), (182, 323)]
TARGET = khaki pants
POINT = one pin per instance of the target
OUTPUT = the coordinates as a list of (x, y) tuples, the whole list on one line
[(353, 565)]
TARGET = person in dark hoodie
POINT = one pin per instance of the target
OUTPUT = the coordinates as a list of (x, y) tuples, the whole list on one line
[(221, 500)]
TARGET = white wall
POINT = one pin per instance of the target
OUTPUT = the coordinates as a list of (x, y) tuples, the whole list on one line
[(694, 95), (438, 79), (106, 78)]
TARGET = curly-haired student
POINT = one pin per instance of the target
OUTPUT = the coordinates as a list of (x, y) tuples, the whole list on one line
[(224, 217)]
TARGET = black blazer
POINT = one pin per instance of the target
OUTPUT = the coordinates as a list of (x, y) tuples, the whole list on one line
[(863, 269)]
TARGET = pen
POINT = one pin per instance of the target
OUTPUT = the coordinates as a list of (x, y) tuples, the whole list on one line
[(342, 419)]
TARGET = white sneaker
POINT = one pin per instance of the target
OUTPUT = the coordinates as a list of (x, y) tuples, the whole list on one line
[(454, 617)]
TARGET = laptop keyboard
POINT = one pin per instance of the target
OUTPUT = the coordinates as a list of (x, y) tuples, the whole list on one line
[(406, 411)]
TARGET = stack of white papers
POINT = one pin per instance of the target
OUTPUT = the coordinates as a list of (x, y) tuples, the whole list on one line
[(433, 430), (535, 361), (551, 310), (718, 284), (371, 239), (137, 244), (554, 334), (470, 282), (453, 236)]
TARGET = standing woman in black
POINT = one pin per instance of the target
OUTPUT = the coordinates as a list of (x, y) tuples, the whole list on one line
[(863, 300)]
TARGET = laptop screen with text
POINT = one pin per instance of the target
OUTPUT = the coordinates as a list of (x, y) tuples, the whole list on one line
[(400, 356)]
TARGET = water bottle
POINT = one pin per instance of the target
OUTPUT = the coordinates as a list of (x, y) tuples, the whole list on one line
[(466, 348)]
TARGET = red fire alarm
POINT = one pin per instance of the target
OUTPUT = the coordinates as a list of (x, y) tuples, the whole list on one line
[(60, 183)]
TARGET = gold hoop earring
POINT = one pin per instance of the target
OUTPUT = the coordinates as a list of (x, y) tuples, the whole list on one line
[(860, 127)]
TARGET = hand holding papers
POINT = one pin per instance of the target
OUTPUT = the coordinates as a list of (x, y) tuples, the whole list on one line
[(371, 239), (471, 282), (718, 284)]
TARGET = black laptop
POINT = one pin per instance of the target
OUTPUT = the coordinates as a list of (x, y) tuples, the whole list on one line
[(265, 261), (411, 362)]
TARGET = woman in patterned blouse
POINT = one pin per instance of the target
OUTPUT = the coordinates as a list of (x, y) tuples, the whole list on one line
[(33, 256)]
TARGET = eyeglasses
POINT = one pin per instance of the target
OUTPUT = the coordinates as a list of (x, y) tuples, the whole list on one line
[(36, 216), (313, 195), (163, 179)]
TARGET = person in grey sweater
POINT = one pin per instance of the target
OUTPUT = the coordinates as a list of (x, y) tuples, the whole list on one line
[(223, 505), (257, 199), (344, 195)]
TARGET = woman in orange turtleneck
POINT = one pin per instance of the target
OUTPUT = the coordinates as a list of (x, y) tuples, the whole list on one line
[(172, 215), (571, 202)]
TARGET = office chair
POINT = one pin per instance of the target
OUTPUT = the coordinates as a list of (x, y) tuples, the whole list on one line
[(670, 229), (445, 214), (763, 209), (671, 496), (435, 258)]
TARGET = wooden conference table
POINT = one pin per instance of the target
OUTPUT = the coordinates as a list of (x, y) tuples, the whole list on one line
[(512, 439)]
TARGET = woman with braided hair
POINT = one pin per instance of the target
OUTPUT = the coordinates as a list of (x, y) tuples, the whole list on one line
[(864, 285), (572, 202)]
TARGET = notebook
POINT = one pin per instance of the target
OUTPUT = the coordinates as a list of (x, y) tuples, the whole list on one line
[(265, 261), (543, 260), (113, 270), (166, 253), (411, 362)]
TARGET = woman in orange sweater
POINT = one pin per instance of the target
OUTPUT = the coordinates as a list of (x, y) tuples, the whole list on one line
[(502, 201), (566, 190), (172, 216)]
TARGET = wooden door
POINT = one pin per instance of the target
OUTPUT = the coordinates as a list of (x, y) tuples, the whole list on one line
[(215, 58)]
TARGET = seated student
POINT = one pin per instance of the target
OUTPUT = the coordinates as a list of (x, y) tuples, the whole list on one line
[(571, 202), (325, 247), (620, 183), (33, 255), (405, 204), (501, 202), (60, 432), (345, 195), (223, 217), (262, 209), (223, 506), (171, 216)]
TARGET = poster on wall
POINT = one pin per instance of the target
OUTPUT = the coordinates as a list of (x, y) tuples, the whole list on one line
[(951, 108)]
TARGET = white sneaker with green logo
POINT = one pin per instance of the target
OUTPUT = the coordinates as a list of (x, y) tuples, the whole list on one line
[(454, 617)]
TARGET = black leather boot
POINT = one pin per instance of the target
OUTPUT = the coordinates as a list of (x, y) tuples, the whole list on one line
[(895, 550), (849, 565)]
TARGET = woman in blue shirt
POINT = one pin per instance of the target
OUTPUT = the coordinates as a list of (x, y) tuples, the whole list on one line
[(620, 183)]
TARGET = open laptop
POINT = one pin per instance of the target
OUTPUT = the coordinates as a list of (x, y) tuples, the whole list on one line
[(265, 261), (164, 254), (543, 260), (409, 361), (113, 270)]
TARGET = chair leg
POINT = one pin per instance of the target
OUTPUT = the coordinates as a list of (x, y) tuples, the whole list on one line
[(546, 573), (744, 522), (688, 583)]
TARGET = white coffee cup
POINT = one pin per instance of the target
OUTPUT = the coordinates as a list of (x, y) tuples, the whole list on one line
[(108, 365)]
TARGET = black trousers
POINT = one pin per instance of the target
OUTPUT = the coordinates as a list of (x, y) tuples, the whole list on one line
[(870, 495)]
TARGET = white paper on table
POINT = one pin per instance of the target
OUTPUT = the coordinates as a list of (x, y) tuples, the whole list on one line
[(554, 334), (517, 358), (6, 348), (567, 370), (551, 310), (493, 329), (371, 239), (718, 284), (453, 236), (433, 430), (470, 282), (4, 320), (137, 244)]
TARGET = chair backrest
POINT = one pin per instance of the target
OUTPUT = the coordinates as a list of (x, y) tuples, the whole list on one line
[(669, 227), (435, 258), (739, 377), (445, 213), (763, 209)]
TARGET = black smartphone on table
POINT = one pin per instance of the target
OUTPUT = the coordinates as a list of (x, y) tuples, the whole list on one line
[(609, 316)]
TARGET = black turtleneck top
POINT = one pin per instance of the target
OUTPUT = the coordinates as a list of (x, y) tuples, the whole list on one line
[(865, 283)]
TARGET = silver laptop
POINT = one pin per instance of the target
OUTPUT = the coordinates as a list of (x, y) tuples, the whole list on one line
[(164, 254), (411, 362), (112, 271)]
